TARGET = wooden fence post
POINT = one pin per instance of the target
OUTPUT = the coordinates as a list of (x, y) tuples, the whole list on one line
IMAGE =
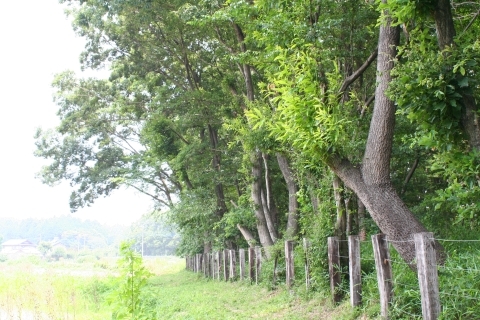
[(251, 263), (197, 262), (289, 263), (384, 272), (258, 263), (334, 268), (226, 260), (219, 265), (205, 264), (241, 258), (233, 265), (355, 271), (427, 275), (306, 248), (212, 265)]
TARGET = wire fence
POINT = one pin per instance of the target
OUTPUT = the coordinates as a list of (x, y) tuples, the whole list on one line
[(457, 283)]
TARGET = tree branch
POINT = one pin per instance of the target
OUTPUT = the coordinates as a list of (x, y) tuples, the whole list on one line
[(350, 79)]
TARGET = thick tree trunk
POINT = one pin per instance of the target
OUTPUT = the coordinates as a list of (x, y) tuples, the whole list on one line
[(292, 220), (372, 182)]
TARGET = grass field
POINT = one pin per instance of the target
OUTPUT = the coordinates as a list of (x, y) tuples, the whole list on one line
[(33, 289)]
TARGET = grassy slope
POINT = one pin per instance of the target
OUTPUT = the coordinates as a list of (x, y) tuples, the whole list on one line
[(185, 295)]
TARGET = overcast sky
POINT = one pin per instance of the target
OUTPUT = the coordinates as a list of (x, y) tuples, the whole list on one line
[(37, 42)]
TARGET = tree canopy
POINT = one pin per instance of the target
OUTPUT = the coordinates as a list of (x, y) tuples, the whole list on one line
[(250, 122)]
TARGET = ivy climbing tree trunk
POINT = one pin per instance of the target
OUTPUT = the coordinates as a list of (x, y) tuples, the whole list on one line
[(371, 182)]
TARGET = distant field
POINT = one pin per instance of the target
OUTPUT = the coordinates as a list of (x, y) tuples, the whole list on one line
[(67, 290)]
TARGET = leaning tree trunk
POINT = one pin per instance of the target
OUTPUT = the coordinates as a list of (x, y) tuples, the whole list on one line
[(372, 182), (292, 220), (255, 156)]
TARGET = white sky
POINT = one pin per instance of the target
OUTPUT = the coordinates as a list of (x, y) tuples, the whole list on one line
[(36, 42)]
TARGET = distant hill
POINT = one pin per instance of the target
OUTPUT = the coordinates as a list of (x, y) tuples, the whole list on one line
[(70, 231)]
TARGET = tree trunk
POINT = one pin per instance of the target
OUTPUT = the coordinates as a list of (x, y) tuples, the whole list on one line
[(362, 230), (271, 213), (340, 223), (445, 36), (349, 216), (372, 182), (262, 228), (247, 235), (292, 220), (221, 206), (268, 218)]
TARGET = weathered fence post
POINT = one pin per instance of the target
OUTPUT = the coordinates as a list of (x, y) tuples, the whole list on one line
[(219, 265), (205, 264), (258, 263), (427, 275), (212, 265), (334, 268), (226, 260), (198, 264), (251, 263), (241, 258), (306, 248), (233, 265), (355, 271), (384, 272), (289, 263)]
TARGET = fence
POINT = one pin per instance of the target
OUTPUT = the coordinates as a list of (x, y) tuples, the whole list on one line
[(224, 266)]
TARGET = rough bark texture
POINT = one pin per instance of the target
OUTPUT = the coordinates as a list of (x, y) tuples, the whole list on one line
[(292, 220), (372, 182), (444, 23)]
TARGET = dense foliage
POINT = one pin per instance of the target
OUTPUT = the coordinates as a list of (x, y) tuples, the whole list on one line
[(249, 122)]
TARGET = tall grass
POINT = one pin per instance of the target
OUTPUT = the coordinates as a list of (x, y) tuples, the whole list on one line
[(53, 290)]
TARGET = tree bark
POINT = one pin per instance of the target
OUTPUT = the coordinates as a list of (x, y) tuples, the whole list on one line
[(371, 182), (221, 206), (445, 37), (271, 214), (362, 230), (262, 228), (247, 235), (341, 221), (292, 220)]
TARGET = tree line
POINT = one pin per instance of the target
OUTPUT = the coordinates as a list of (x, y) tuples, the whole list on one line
[(248, 122)]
